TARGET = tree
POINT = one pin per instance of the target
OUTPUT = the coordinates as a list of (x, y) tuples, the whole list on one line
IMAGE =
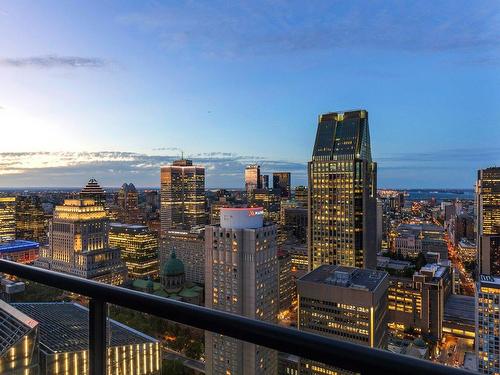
[(174, 367)]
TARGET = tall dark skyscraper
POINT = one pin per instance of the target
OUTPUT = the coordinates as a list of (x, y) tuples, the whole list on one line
[(488, 220), (342, 193), (281, 181)]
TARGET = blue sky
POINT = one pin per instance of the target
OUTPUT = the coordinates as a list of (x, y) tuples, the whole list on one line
[(115, 89)]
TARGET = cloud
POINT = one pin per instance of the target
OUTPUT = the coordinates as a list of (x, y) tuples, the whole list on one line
[(53, 61), (457, 156), (276, 27), (113, 168)]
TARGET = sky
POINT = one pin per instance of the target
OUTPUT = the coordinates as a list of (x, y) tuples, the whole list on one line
[(115, 89)]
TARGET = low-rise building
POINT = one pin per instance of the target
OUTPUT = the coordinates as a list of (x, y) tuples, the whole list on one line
[(64, 342), (20, 251)]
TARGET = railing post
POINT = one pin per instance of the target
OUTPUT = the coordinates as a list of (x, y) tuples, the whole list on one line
[(97, 337)]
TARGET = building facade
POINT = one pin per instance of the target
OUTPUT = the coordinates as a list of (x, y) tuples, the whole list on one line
[(488, 220), (128, 203), (138, 247), (78, 243), (342, 193), (93, 191), (282, 182), (418, 303), (182, 196), (189, 246), (252, 178), (488, 324), (241, 278), (31, 224), (344, 303), (7, 218)]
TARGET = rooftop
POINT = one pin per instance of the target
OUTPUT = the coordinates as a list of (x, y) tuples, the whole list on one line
[(17, 245), (347, 277), (64, 327), (13, 326), (460, 308), (492, 281), (119, 227)]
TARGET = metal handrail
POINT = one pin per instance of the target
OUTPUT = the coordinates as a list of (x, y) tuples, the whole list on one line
[(341, 354)]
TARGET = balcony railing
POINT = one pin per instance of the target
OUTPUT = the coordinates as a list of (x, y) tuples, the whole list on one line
[(332, 352)]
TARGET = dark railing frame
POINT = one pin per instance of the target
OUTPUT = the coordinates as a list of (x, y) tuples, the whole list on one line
[(332, 352)]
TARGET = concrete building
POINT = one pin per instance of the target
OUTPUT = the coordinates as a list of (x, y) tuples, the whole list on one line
[(488, 324), (241, 278), (128, 203), (342, 193), (467, 251), (301, 193), (488, 220), (286, 285), (139, 249), (418, 303), (189, 246), (78, 243), (345, 303), (413, 239), (182, 196)]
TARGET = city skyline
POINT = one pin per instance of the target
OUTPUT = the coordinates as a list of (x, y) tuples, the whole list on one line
[(119, 92)]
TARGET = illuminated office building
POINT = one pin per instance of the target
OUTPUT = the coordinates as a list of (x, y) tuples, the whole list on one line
[(344, 303), (182, 196), (189, 246), (418, 303), (30, 219), (215, 209), (269, 200), (139, 249), (241, 278), (94, 191), (7, 218), (78, 243), (252, 178), (64, 342), (128, 202), (282, 181), (488, 324), (19, 343), (488, 220), (342, 193), (301, 196)]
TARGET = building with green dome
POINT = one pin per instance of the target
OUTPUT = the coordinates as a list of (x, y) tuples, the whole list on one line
[(172, 283)]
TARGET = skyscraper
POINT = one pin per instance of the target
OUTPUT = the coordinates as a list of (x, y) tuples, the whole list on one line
[(241, 278), (342, 193), (30, 219), (139, 249), (7, 218), (282, 181), (488, 324), (94, 191), (488, 220), (264, 181), (128, 201), (78, 243), (252, 178), (182, 195)]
